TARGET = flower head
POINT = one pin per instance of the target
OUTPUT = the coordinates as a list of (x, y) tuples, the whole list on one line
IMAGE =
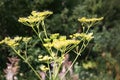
[(34, 18), (11, 42), (41, 14), (44, 58), (84, 19), (85, 36), (44, 68), (58, 44), (54, 36), (26, 39)]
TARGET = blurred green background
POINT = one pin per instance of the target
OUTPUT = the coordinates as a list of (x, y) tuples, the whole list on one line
[(104, 50)]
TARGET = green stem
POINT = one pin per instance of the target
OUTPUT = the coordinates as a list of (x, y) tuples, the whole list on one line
[(70, 66), (70, 48), (49, 71), (18, 54), (38, 26), (34, 30), (81, 50), (58, 70), (26, 50), (43, 25), (37, 74), (37, 34)]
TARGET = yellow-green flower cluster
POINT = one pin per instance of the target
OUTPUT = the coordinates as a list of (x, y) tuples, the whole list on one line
[(54, 36), (34, 18), (85, 36), (58, 44), (84, 19), (44, 68), (48, 45), (26, 39), (45, 58), (41, 14), (11, 42)]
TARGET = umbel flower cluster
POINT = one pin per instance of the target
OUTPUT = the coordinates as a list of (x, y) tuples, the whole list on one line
[(13, 42), (34, 18), (55, 45)]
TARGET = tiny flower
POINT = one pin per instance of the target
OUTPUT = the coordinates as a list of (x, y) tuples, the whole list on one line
[(11, 42), (1, 42), (26, 39), (48, 45), (34, 18), (62, 38), (44, 58), (22, 19), (54, 36), (58, 44), (47, 40), (17, 38), (88, 36), (84, 19), (44, 68), (41, 14)]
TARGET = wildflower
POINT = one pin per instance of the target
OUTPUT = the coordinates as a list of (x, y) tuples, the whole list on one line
[(11, 42), (84, 19), (34, 18), (54, 36), (44, 68), (47, 40), (58, 44), (41, 14), (1, 42), (17, 38), (44, 58), (26, 39), (29, 21), (62, 38), (40, 56), (48, 45), (88, 36), (22, 19)]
